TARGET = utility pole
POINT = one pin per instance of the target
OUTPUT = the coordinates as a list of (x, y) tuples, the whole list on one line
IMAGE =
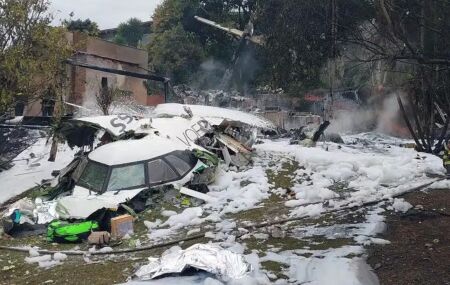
[(328, 114)]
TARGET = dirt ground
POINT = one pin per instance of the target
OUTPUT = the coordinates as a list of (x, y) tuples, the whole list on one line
[(419, 252)]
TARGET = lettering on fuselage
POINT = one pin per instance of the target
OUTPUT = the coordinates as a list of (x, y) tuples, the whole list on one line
[(189, 135), (121, 121), (193, 133)]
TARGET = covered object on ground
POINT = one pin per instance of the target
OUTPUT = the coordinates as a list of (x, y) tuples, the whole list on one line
[(207, 257)]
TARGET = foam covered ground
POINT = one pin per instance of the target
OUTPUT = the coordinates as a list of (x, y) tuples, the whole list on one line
[(326, 249), (325, 246), (31, 167)]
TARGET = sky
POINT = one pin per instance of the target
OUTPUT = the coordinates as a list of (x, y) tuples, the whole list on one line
[(107, 13)]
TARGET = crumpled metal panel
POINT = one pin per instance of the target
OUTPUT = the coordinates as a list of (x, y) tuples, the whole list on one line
[(45, 212), (208, 257)]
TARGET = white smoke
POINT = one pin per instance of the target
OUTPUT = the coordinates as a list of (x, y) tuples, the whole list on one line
[(209, 76), (346, 122), (388, 115), (384, 118)]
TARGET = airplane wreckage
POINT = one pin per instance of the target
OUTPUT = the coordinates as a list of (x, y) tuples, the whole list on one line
[(127, 164), (131, 161)]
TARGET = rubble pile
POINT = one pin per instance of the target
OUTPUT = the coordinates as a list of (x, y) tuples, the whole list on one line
[(213, 97)]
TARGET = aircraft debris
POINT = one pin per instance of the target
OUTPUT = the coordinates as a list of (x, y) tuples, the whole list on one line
[(206, 257), (125, 161), (305, 137)]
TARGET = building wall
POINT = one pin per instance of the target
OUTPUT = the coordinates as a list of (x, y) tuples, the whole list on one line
[(118, 52), (33, 109), (102, 53), (84, 84)]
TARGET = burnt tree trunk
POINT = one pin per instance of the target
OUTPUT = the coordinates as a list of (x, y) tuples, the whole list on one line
[(408, 124)]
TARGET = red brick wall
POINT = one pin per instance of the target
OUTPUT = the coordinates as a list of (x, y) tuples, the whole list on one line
[(155, 100)]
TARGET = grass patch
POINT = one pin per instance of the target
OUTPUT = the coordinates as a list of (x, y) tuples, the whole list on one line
[(287, 243), (268, 209), (322, 243), (283, 178), (274, 268), (73, 271)]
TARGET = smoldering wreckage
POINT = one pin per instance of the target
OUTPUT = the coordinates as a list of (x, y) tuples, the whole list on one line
[(129, 164)]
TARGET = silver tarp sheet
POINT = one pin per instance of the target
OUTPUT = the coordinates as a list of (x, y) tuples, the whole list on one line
[(208, 257)]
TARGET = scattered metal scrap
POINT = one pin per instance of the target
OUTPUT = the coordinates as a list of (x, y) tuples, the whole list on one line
[(306, 137)]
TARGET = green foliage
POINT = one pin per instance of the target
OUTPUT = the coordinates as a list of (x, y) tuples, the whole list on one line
[(298, 36), (170, 13), (130, 33), (31, 52), (175, 19), (297, 33), (177, 53), (84, 26), (174, 51), (299, 40), (119, 39)]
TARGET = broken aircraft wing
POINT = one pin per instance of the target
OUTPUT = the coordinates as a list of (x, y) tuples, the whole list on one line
[(232, 31), (80, 132), (210, 113), (259, 40), (116, 125)]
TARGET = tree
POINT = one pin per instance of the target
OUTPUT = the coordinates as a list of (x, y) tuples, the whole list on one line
[(84, 26), (105, 98), (31, 52), (299, 39), (302, 35), (175, 19), (130, 33), (412, 38), (177, 54), (174, 51)]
